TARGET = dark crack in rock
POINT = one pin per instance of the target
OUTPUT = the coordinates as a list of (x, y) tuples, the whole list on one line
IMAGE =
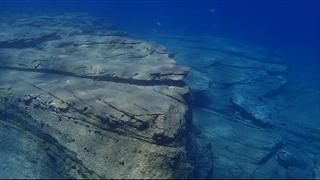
[(98, 103)]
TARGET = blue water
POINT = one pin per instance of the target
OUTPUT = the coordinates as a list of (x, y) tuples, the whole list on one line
[(284, 23), (290, 27)]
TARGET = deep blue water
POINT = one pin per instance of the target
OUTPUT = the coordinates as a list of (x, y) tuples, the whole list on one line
[(287, 24)]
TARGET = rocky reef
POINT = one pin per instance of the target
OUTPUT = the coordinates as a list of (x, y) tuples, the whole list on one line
[(81, 99), (247, 118)]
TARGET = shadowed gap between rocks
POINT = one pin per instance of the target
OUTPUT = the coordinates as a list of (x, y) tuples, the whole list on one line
[(177, 83), (27, 43)]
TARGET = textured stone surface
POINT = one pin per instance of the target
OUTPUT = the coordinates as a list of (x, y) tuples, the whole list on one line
[(44, 45), (95, 102), (197, 81), (17, 155), (259, 121)]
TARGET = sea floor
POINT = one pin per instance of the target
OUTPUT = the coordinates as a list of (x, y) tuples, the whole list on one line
[(260, 113), (79, 98)]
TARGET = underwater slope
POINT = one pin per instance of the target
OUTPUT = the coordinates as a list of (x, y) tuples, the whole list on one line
[(90, 101), (247, 124)]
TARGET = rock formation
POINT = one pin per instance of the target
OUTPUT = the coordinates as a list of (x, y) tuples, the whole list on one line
[(80, 99), (239, 92)]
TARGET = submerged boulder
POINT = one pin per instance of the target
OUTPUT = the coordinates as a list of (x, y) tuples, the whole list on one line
[(296, 163)]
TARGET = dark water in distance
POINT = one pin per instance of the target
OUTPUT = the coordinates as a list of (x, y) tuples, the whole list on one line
[(295, 21), (292, 25)]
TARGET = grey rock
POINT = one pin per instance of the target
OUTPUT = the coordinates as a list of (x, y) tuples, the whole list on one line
[(253, 109), (104, 105), (296, 163), (197, 81)]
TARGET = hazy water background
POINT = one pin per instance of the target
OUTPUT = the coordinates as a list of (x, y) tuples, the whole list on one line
[(290, 25)]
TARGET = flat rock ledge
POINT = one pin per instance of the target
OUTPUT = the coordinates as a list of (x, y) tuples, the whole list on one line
[(89, 100), (244, 124)]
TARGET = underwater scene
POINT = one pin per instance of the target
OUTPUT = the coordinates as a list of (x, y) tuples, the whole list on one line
[(159, 89)]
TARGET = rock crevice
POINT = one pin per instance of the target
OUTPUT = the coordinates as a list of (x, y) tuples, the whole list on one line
[(98, 103)]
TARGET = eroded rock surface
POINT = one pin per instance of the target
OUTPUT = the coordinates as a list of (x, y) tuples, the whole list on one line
[(244, 120), (96, 102)]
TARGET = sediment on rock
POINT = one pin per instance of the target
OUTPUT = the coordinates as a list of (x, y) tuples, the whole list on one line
[(239, 100), (98, 103)]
